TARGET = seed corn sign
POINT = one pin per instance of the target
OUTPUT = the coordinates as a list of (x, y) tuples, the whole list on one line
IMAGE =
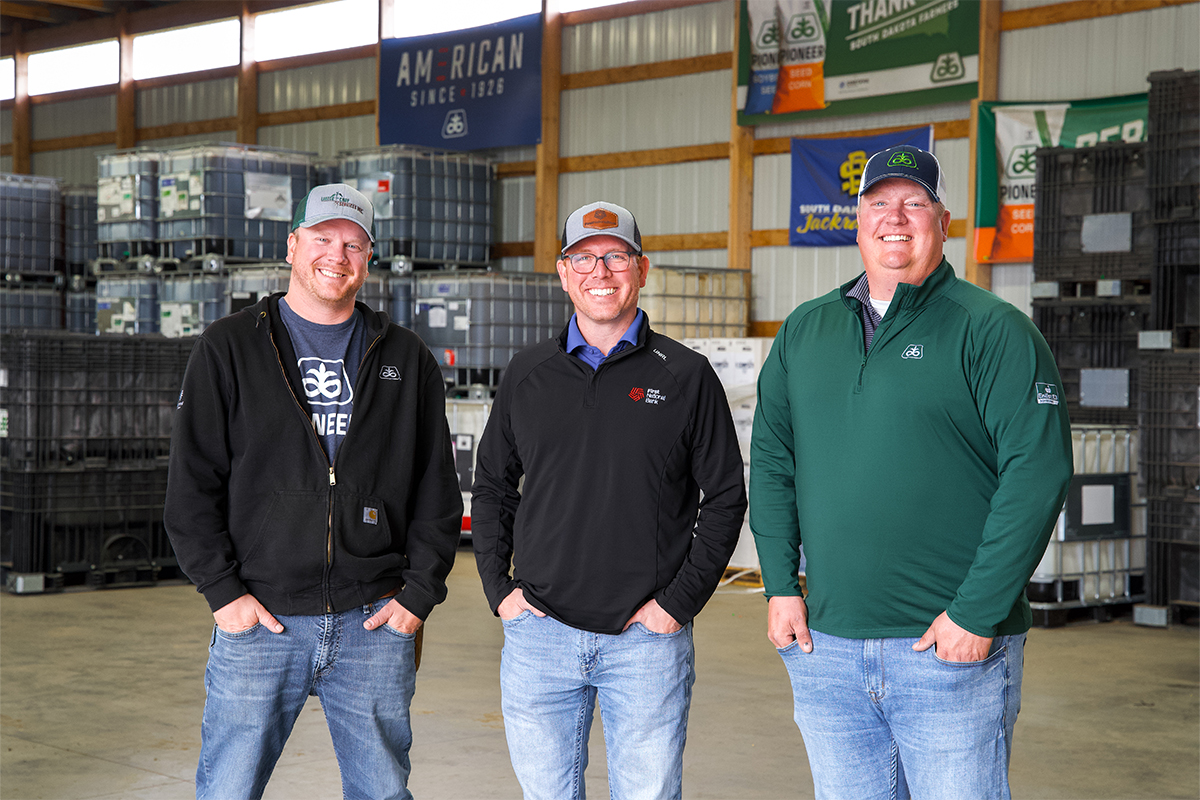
[(799, 59), (1006, 161)]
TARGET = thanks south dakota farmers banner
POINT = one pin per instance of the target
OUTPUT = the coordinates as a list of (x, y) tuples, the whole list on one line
[(463, 90), (799, 59), (1005, 171), (826, 174)]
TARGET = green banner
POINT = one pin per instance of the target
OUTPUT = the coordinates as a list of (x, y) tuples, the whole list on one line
[(1006, 167), (806, 59)]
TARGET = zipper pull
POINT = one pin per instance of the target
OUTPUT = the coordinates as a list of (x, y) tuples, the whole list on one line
[(332, 477)]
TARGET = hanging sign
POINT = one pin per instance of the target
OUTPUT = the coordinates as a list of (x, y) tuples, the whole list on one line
[(800, 59), (825, 178), (1006, 164), (463, 90)]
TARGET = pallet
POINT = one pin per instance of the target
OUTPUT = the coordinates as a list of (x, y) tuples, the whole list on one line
[(1055, 616)]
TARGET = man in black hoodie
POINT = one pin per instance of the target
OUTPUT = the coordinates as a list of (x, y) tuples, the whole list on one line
[(598, 562), (312, 498)]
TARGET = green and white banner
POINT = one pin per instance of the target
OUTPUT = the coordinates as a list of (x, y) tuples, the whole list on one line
[(802, 59), (1006, 165)]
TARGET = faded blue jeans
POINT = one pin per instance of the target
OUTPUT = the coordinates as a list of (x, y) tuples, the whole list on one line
[(256, 685), (881, 722), (551, 676)]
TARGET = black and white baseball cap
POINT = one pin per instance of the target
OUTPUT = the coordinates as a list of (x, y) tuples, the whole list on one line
[(911, 163), (601, 219), (335, 201)]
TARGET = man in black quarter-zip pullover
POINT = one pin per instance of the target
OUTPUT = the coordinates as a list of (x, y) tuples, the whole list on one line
[(312, 498), (597, 565)]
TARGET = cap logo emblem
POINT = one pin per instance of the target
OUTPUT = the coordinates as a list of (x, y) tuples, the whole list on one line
[(902, 159), (600, 219)]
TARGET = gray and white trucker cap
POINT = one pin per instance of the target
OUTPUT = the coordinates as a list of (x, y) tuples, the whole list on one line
[(335, 201), (601, 219)]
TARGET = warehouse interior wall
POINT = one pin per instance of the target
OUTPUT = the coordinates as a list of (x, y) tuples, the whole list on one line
[(644, 119)]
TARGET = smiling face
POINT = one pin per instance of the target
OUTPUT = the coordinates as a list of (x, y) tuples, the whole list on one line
[(329, 265), (901, 231), (605, 301)]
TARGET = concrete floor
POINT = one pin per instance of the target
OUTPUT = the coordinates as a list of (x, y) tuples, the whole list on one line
[(101, 695)]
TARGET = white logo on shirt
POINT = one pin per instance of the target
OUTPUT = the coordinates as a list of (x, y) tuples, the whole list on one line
[(913, 351), (325, 382), (1047, 393)]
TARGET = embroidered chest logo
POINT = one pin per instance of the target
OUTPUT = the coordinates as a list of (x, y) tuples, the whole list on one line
[(389, 373), (913, 351), (652, 397), (325, 382), (1047, 394)]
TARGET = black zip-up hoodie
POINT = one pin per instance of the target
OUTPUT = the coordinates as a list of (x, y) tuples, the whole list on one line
[(614, 461), (254, 504)]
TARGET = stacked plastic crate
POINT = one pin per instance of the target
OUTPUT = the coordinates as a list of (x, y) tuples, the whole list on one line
[(476, 322), (83, 463), (126, 232), (1170, 362), (82, 249), (31, 252), (1092, 262), (221, 206), (433, 209)]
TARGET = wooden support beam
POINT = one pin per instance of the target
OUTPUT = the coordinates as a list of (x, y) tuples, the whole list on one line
[(126, 90), (361, 108), (21, 119), (989, 89), (646, 72), (741, 176), (546, 233), (1078, 10), (219, 125), (247, 88)]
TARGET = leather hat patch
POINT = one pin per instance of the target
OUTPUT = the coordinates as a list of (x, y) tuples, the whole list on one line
[(600, 219)]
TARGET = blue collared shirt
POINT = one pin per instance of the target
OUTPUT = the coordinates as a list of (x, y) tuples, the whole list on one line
[(594, 356)]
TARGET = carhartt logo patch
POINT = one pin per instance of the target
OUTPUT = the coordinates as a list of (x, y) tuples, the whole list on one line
[(913, 351), (636, 394), (600, 219), (371, 515), (902, 159), (1047, 394), (389, 373)]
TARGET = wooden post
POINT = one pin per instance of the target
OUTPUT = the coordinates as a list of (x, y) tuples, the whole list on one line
[(247, 101), (126, 90), (741, 174), (989, 89), (21, 123), (546, 242)]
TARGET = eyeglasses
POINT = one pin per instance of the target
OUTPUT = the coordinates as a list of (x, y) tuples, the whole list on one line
[(616, 261)]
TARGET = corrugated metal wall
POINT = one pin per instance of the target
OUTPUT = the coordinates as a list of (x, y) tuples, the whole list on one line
[(187, 102), (1098, 57), (75, 166), (324, 85), (646, 38), (324, 137)]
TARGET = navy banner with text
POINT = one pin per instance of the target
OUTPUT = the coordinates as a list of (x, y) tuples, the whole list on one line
[(825, 177), (463, 90)]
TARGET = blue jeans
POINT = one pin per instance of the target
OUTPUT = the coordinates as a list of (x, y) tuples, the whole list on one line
[(880, 721), (550, 678), (256, 685)]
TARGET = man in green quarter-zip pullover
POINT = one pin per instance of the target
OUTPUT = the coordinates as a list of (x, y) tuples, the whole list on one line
[(909, 432)]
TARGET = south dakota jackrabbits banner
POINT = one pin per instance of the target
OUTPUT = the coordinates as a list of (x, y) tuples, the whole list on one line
[(820, 58)]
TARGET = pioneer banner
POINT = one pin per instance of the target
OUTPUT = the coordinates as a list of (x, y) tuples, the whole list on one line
[(1006, 165), (825, 177), (799, 59), (463, 90)]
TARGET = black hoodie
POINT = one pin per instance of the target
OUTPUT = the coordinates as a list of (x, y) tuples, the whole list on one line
[(254, 505)]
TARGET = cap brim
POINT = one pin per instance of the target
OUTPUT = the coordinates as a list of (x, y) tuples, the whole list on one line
[(327, 217)]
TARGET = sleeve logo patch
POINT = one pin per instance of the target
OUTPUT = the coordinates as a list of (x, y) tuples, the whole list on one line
[(371, 515), (1047, 393)]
